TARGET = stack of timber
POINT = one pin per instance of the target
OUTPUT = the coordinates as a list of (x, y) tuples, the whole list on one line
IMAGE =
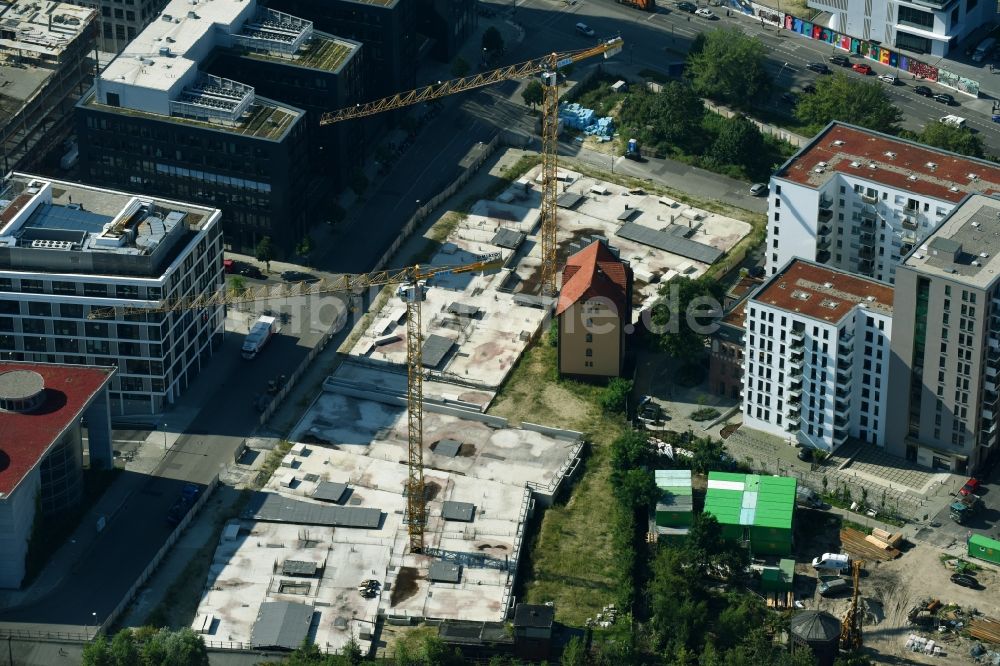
[(985, 629), (857, 544), (883, 539)]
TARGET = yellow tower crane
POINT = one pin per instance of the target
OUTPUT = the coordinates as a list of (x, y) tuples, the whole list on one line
[(850, 626), (548, 65), (412, 290)]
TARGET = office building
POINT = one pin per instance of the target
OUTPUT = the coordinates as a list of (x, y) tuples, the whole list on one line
[(46, 63), (944, 396), (447, 23), (859, 200), (158, 121), (41, 406), (593, 312), (69, 253), (929, 26), (387, 28), (816, 357)]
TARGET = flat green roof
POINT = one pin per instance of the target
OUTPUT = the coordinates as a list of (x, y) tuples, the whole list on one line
[(677, 481), (750, 499), (984, 541)]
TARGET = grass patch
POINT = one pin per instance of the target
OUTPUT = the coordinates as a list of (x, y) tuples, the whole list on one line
[(571, 561), (443, 227), (705, 414), (271, 463)]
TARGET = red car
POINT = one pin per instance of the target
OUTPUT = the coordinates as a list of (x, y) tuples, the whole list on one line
[(861, 68), (970, 488)]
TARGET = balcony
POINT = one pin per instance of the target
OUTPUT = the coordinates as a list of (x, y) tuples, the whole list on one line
[(992, 372), (866, 252), (796, 352), (793, 409), (839, 437), (910, 222), (990, 386), (868, 239), (843, 393), (796, 343), (986, 440), (792, 423), (822, 256), (825, 202), (989, 413), (905, 249), (824, 230), (867, 222), (844, 364), (869, 199), (823, 243), (797, 334), (842, 409), (844, 377), (824, 215), (988, 427), (866, 266), (795, 365)]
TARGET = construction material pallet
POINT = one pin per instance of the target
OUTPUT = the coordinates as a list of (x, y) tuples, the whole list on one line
[(780, 599), (985, 629), (856, 544)]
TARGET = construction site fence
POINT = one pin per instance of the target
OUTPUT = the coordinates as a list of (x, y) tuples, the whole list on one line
[(160, 554), (485, 150)]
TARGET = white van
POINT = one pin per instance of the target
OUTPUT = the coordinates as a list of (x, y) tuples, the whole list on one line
[(954, 121), (585, 30), (837, 561)]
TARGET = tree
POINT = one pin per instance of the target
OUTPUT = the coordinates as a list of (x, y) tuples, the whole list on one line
[(849, 100), (614, 397), (237, 284), (459, 67), (175, 648), (265, 252), (956, 139), (631, 449), (707, 456), (636, 488), (665, 120), (493, 41), (305, 245), (575, 653), (533, 93), (98, 653), (730, 68), (685, 314), (740, 143), (125, 648)]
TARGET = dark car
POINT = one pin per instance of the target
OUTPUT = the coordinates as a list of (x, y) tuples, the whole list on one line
[(756, 271), (965, 580), (252, 272), (805, 454), (923, 91), (298, 276), (841, 60), (818, 67), (689, 7), (831, 588), (944, 98)]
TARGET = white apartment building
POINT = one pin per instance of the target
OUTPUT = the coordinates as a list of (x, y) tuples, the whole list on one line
[(920, 26), (816, 356), (860, 200), (69, 251)]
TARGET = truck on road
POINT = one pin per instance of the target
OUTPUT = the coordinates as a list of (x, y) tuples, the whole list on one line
[(964, 509), (258, 336)]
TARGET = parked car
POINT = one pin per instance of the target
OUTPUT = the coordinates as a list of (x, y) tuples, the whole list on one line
[(923, 91), (862, 68), (944, 98), (965, 580), (954, 121), (818, 67), (705, 12), (298, 276), (585, 30), (830, 588), (650, 413), (252, 272), (805, 453), (688, 7), (841, 60), (891, 79), (971, 487), (756, 272), (759, 189)]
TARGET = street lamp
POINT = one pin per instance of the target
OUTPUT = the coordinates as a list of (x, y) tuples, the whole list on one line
[(781, 71), (164, 439)]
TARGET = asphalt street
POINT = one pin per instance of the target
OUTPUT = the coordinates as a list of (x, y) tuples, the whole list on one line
[(654, 40)]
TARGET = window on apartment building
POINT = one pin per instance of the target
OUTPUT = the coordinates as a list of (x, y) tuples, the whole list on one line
[(775, 231), (95, 329), (774, 243), (589, 337), (838, 255), (40, 309), (774, 259), (589, 352), (777, 216)]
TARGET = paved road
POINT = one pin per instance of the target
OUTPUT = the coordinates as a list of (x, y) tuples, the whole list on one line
[(654, 40)]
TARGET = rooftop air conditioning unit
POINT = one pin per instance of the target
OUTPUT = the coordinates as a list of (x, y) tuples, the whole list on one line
[(890, 154), (838, 143), (911, 177), (973, 176), (855, 164), (932, 165)]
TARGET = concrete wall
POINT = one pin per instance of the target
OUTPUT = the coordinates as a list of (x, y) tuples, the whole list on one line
[(791, 223), (592, 350), (17, 515)]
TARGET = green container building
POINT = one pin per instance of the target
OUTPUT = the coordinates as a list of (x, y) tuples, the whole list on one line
[(984, 548), (675, 508), (752, 509), (780, 578)]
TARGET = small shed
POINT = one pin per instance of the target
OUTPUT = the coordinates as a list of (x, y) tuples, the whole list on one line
[(780, 578), (818, 631)]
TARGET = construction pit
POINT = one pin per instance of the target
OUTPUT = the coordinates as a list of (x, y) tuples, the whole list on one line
[(475, 327), (338, 505)]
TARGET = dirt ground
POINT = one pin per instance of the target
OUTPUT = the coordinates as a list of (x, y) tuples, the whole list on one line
[(891, 589)]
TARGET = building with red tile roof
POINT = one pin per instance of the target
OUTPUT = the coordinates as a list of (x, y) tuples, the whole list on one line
[(594, 312), (861, 200), (816, 356), (41, 456)]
